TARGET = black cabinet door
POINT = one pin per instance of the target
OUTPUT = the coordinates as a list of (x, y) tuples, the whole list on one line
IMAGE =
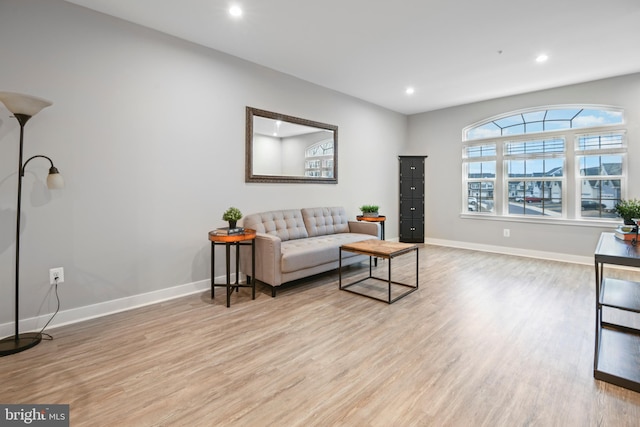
[(411, 188), (412, 230), (412, 167)]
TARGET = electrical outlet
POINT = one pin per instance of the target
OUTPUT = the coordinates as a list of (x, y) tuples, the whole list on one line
[(506, 232), (56, 273)]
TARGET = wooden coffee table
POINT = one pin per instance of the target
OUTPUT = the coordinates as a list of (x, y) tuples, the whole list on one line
[(380, 249)]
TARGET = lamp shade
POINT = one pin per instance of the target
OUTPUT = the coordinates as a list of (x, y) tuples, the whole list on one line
[(55, 181), (23, 104)]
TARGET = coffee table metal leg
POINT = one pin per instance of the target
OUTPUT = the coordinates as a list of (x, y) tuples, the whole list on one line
[(340, 268), (389, 280)]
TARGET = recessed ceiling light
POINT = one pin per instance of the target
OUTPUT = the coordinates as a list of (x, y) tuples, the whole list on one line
[(235, 11), (410, 91), (542, 58)]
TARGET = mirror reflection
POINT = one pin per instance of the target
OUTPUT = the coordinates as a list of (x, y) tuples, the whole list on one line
[(283, 148)]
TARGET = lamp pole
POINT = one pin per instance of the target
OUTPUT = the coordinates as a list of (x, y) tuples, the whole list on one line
[(23, 108), (22, 119)]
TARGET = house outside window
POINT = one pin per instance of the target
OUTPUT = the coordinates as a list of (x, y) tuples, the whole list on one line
[(319, 159), (561, 162)]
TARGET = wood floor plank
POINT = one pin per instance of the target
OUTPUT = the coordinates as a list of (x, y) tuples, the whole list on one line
[(487, 340)]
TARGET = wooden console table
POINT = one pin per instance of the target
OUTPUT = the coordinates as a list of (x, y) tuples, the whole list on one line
[(617, 347)]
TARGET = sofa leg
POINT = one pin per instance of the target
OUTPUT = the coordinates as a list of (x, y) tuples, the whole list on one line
[(273, 291)]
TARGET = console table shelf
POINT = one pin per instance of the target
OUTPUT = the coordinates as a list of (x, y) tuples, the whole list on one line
[(621, 294), (617, 346)]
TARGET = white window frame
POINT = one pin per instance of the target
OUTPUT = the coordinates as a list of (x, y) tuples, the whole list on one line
[(614, 151), (467, 202), (529, 179), (571, 181)]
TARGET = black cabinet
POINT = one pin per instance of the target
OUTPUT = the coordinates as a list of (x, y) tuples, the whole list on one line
[(412, 198)]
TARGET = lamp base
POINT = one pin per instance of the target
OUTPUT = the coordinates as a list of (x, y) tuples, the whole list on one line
[(21, 342)]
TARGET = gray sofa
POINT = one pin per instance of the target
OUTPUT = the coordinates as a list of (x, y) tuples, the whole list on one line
[(296, 243)]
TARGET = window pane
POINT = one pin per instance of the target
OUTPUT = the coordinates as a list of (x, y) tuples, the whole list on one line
[(516, 190), (516, 168), (535, 167), (480, 196), (539, 198), (599, 142), (553, 167), (487, 130), (601, 196), (600, 165), (556, 125), (534, 127), (562, 113), (590, 118), (482, 169), (509, 121), (555, 145), (481, 151), (513, 130)]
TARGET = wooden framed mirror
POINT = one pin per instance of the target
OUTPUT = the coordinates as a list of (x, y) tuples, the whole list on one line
[(287, 149)]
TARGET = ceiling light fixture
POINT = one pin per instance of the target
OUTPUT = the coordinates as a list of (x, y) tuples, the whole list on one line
[(410, 91), (235, 11), (542, 58)]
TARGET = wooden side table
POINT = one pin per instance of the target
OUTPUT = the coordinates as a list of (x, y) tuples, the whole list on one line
[(380, 218), (248, 237)]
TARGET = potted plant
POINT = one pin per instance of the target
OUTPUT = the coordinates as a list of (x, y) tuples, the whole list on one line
[(369, 210), (232, 215), (628, 209)]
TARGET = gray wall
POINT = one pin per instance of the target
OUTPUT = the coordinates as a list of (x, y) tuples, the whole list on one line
[(439, 134), (148, 131)]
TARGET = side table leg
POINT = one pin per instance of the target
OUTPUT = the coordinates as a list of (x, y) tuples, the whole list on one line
[(228, 250), (213, 263), (252, 278), (237, 263)]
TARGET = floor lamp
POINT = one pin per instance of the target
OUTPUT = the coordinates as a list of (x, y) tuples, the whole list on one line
[(23, 108)]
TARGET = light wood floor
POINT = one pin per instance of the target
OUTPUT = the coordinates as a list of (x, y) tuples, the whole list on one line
[(488, 340)]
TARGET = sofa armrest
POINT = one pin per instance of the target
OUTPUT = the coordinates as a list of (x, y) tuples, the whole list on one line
[(268, 259), (362, 227)]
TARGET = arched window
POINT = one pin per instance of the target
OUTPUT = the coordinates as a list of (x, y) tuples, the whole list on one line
[(561, 162), (544, 120)]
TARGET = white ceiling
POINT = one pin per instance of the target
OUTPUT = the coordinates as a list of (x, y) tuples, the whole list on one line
[(452, 52)]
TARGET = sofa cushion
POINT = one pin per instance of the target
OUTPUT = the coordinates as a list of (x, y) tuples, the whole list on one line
[(325, 221), (285, 224), (306, 253)]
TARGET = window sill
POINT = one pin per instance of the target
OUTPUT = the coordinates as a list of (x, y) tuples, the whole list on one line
[(596, 223)]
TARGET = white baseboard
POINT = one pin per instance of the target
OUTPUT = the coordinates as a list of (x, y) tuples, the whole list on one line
[(553, 256), (93, 311)]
